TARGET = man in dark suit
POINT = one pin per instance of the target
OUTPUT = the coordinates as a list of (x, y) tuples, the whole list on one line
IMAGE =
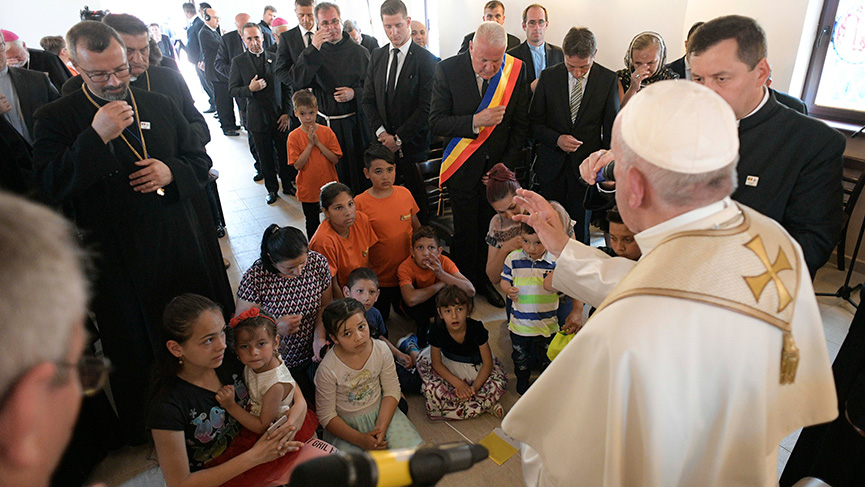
[(291, 43), (266, 20), (680, 66), (21, 92), (20, 56), (252, 77), (352, 28), (494, 11), (193, 50), (458, 86), (536, 52), (396, 98), (211, 42), (162, 40), (571, 116)]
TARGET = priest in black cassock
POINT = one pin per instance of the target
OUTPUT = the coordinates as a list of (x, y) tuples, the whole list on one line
[(335, 67), (124, 166)]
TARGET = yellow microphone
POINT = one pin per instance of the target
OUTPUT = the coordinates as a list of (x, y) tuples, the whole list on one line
[(388, 468)]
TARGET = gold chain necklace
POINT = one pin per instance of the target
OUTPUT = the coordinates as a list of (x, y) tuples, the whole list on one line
[(159, 191)]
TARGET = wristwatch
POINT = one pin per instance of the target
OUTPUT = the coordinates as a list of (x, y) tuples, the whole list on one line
[(398, 143)]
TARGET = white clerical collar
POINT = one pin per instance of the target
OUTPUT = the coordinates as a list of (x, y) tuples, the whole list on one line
[(720, 213), (537, 48), (403, 49), (762, 102)]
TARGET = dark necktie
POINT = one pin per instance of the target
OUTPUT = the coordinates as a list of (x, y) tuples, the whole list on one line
[(484, 86), (308, 38), (391, 77)]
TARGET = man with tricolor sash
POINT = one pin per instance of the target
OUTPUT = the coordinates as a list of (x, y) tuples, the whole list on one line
[(704, 355), (480, 105)]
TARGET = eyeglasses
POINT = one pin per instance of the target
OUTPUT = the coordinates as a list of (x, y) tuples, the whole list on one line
[(92, 373), (536, 23), (102, 76), (325, 23)]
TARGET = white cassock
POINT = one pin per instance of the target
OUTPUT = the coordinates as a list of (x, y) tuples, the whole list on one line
[(664, 391)]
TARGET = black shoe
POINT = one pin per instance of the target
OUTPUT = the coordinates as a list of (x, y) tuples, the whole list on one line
[(230, 133), (522, 385), (271, 198), (289, 190), (491, 294), (210, 110), (258, 177), (220, 231)]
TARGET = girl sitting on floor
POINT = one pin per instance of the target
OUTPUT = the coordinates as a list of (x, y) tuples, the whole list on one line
[(461, 378), (356, 386)]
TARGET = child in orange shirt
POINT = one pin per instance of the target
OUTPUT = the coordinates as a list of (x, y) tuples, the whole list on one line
[(344, 237), (314, 151), (392, 211), (423, 275)]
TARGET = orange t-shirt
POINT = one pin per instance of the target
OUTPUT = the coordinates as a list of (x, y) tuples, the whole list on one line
[(318, 171), (345, 254), (411, 273), (391, 219)]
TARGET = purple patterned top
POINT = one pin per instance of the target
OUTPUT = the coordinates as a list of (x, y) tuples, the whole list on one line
[(280, 295)]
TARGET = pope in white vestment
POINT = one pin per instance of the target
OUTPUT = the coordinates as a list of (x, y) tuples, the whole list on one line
[(711, 348)]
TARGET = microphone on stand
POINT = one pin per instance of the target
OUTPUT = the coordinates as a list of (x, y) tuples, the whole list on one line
[(389, 468)]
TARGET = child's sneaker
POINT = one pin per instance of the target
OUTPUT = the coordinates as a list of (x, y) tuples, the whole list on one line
[(408, 344), (497, 410)]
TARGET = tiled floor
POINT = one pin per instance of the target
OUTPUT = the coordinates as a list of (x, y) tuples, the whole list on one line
[(247, 215)]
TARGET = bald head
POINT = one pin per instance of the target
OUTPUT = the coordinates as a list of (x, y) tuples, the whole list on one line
[(241, 19), (418, 33)]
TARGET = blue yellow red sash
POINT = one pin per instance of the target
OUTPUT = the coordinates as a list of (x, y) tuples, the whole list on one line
[(498, 93)]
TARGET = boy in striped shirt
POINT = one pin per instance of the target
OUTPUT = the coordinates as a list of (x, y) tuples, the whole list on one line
[(533, 309)]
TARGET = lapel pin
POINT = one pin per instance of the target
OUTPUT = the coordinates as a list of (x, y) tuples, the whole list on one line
[(752, 181), (145, 125)]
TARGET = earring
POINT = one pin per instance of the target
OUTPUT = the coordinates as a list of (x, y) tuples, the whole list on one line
[(180, 360)]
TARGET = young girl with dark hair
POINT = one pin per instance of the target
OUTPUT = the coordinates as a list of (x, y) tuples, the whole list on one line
[(344, 237), (357, 389), (292, 284), (190, 430)]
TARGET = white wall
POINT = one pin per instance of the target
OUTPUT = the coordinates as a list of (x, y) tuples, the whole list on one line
[(789, 24)]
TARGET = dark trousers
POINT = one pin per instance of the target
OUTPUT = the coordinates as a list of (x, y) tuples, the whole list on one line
[(388, 296), (421, 315), (407, 176), (224, 106), (241, 108), (350, 136), (311, 215), (304, 376), (271, 149), (570, 192), (529, 352), (206, 86), (472, 214)]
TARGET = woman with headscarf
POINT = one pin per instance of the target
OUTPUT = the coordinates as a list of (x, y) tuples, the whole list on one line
[(645, 63)]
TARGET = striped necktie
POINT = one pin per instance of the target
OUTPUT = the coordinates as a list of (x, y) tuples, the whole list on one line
[(576, 98)]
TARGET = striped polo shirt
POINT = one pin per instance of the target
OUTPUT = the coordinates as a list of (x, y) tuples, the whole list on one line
[(534, 312)]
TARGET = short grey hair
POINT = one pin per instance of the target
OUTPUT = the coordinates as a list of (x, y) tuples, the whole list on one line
[(43, 292), (674, 188), (492, 33), (93, 36), (350, 26), (326, 6)]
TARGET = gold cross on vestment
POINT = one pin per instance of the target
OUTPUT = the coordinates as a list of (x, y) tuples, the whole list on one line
[(759, 283)]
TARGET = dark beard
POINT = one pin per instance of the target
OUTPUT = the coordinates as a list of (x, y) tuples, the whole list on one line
[(115, 95)]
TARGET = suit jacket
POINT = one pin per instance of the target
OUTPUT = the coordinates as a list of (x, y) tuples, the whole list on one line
[(211, 41), (290, 46), (232, 46), (16, 165), (50, 64), (554, 54), (513, 42), (193, 47), (409, 116), (167, 82), (550, 117), (165, 47), (790, 101), (678, 67), (369, 42), (455, 98), (265, 106), (33, 90), (266, 35)]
